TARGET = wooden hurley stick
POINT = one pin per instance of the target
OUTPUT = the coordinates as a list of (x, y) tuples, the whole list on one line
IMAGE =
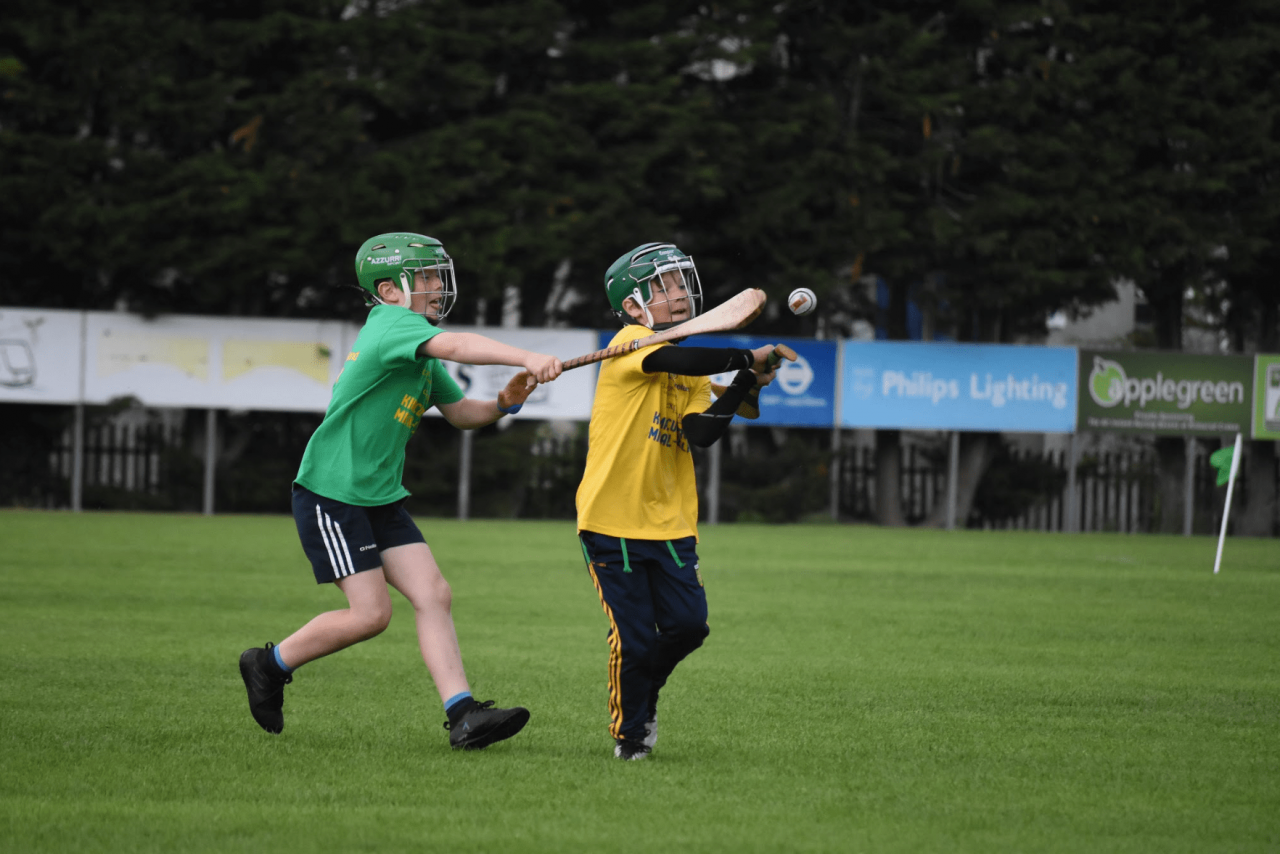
[(733, 314)]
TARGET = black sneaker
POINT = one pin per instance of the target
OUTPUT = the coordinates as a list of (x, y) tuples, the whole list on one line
[(482, 725), (631, 750), (265, 686)]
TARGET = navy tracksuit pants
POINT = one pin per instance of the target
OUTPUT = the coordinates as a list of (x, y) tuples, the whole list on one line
[(652, 593)]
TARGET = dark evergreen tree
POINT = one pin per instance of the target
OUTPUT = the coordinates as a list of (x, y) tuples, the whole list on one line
[(1175, 129)]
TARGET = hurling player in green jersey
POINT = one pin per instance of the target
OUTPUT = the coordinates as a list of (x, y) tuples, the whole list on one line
[(348, 500)]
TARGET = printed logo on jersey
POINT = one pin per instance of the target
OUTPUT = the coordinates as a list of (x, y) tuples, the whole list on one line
[(411, 409), (667, 432)]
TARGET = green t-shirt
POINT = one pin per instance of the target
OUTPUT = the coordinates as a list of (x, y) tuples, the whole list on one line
[(356, 455)]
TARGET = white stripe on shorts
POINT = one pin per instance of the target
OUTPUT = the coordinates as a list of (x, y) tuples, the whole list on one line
[(351, 567), (322, 521)]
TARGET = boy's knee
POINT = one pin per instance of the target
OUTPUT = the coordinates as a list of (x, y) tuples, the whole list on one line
[(444, 595), (374, 621), (437, 596), (688, 635)]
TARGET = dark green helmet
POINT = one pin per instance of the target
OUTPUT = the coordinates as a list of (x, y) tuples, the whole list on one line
[(632, 275), (398, 256)]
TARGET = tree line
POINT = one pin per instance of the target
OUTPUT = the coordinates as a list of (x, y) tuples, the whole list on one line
[(995, 162)]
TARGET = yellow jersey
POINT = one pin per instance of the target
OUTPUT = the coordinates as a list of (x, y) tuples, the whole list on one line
[(639, 479)]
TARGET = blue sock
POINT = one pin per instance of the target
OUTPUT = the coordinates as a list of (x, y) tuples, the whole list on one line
[(275, 652), (455, 704)]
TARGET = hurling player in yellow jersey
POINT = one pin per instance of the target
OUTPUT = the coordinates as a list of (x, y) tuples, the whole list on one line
[(638, 502), (348, 499)]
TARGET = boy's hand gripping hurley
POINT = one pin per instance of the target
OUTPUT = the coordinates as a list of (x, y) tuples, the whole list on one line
[(750, 406), (732, 314)]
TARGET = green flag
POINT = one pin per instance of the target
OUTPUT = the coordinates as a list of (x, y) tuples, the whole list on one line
[(1221, 460)]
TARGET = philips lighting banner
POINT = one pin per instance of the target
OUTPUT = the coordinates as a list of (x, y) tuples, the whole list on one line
[(944, 386)]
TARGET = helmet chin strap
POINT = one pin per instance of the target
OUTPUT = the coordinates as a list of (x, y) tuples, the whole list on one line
[(404, 286), (639, 298)]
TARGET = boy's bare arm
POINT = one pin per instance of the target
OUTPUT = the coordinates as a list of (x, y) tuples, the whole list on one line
[(469, 348), (467, 414)]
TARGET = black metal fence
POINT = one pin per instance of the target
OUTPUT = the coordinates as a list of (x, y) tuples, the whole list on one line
[(922, 483), (527, 471), (1116, 491), (120, 460)]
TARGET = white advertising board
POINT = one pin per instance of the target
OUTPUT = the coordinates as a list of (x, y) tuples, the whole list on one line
[(40, 355), (213, 362), (61, 357)]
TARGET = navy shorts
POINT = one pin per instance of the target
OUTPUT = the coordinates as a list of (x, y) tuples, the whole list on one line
[(343, 539)]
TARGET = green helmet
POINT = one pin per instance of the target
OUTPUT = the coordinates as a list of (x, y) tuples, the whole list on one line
[(398, 257), (632, 275)]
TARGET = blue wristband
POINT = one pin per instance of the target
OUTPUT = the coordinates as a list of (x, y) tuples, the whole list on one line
[(512, 411)]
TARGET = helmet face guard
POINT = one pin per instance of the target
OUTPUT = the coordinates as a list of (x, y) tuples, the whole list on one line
[(632, 275), (400, 258)]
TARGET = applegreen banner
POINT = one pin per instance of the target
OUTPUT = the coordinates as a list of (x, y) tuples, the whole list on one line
[(1266, 396), (1145, 391)]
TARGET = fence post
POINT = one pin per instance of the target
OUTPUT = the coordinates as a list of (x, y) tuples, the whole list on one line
[(77, 461), (1087, 499), (953, 472), (1108, 490), (77, 438), (464, 475), (1073, 497), (210, 457), (833, 486), (1189, 486)]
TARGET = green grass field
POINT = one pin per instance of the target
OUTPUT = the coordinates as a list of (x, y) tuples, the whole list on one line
[(862, 689)]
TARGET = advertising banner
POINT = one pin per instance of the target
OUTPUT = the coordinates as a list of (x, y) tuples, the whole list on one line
[(945, 386), (40, 355), (51, 356), (567, 398), (1165, 392), (214, 362), (803, 394), (1266, 396)]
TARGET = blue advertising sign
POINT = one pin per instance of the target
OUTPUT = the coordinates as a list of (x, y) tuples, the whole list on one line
[(945, 386), (804, 392)]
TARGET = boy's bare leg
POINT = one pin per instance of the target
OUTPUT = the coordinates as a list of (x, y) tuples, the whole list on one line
[(412, 570), (368, 614)]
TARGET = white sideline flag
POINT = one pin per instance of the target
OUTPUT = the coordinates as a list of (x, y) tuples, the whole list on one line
[(1226, 508)]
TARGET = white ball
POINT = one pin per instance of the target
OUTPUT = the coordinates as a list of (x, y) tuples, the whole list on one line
[(802, 301)]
